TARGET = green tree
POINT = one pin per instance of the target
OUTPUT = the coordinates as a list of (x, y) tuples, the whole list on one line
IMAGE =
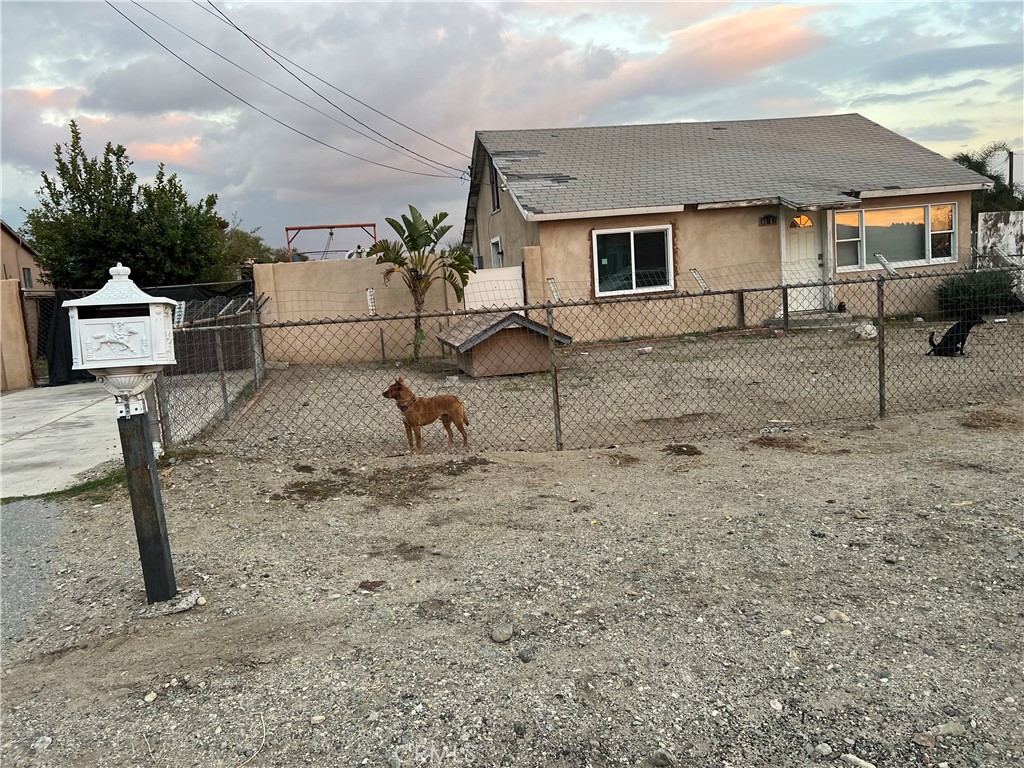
[(246, 245), (86, 219), (415, 257), (1001, 197), (93, 213), (179, 242)]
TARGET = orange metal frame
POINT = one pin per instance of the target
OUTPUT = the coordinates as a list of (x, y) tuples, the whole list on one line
[(290, 237)]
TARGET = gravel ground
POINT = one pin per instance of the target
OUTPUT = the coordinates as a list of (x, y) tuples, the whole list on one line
[(821, 597), (26, 545)]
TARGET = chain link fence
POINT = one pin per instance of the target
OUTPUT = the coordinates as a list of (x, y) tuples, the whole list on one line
[(588, 373), (38, 307)]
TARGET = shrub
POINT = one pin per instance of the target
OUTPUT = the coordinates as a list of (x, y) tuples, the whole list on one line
[(976, 293)]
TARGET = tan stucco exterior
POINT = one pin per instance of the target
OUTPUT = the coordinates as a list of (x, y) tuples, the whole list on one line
[(507, 223), (321, 290), (16, 256), (16, 371), (730, 247)]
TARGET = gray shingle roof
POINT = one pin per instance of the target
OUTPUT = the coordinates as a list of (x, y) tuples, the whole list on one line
[(805, 162)]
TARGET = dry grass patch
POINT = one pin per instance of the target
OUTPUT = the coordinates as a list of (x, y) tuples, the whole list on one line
[(798, 443), (1002, 417)]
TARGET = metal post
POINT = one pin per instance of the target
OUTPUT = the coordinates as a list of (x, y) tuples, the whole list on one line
[(383, 354), (147, 508), (219, 347), (258, 362), (880, 290), (741, 310), (554, 377), (153, 414), (164, 405), (785, 307)]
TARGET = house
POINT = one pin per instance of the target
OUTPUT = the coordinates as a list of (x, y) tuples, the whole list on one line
[(610, 211), (19, 336), (19, 259), (495, 344)]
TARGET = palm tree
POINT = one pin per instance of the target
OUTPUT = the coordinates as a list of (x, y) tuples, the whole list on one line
[(415, 257), (1001, 197)]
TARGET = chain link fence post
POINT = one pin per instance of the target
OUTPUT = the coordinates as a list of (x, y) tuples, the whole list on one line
[(880, 299), (554, 377), (219, 349)]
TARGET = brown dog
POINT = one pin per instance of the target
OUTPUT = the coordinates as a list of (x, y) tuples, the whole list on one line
[(419, 411)]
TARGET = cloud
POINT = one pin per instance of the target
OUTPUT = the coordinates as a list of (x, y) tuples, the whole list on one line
[(722, 52), (953, 130), (912, 96), (180, 89), (448, 69), (946, 61)]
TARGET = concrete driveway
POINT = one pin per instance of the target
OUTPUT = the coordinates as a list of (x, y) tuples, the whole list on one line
[(51, 434)]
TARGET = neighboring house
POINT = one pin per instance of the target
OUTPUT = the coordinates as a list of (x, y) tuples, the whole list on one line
[(19, 260), (632, 209)]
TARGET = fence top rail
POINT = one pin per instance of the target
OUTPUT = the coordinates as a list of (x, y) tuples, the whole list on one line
[(568, 304)]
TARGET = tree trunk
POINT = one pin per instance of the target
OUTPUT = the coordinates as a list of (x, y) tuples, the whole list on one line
[(417, 338)]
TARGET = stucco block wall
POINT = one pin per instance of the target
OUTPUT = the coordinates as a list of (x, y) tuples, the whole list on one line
[(16, 370), (321, 290), (318, 290)]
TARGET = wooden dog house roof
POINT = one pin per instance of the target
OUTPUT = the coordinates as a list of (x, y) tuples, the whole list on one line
[(475, 328)]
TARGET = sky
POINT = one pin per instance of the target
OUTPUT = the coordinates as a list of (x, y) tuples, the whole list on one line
[(357, 110)]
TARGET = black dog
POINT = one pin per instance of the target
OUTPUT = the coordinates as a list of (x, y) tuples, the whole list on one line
[(952, 342)]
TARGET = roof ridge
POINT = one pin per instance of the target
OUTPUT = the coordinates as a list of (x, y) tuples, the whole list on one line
[(672, 122)]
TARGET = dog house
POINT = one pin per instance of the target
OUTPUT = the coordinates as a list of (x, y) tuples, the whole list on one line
[(500, 345)]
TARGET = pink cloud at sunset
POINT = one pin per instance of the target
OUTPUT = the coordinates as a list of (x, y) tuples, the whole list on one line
[(726, 50), (185, 153), (44, 99)]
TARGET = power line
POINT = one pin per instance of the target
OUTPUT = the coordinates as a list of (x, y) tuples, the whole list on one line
[(336, 88), (424, 161), (270, 56), (269, 116)]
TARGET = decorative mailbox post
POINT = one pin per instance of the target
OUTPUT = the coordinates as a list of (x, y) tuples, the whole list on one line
[(124, 337)]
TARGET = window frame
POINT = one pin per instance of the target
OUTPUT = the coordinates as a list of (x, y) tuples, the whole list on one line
[(497, 254), (26, 277), (669, 260), (495, 188), (861, 239)]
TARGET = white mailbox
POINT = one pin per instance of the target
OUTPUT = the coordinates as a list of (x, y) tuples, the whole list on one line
[(124, 337)]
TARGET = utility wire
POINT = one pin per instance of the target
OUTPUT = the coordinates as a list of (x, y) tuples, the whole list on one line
[(352, 117), (339, 90), (423, 160), (267, 115), (433, 164)]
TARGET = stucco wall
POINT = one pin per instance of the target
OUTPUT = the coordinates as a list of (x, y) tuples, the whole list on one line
[(508, 223), (1002, 231), (16, 370), (727, 246), (14, 256), (319, 290)]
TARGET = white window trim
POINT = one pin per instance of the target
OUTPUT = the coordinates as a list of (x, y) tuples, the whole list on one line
[(666, 228), (863, 266), (497, 260)]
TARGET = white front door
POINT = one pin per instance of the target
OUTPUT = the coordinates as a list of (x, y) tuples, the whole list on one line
[(803, 260)]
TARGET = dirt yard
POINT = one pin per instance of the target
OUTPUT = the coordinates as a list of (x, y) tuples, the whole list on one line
[(849, 595)]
